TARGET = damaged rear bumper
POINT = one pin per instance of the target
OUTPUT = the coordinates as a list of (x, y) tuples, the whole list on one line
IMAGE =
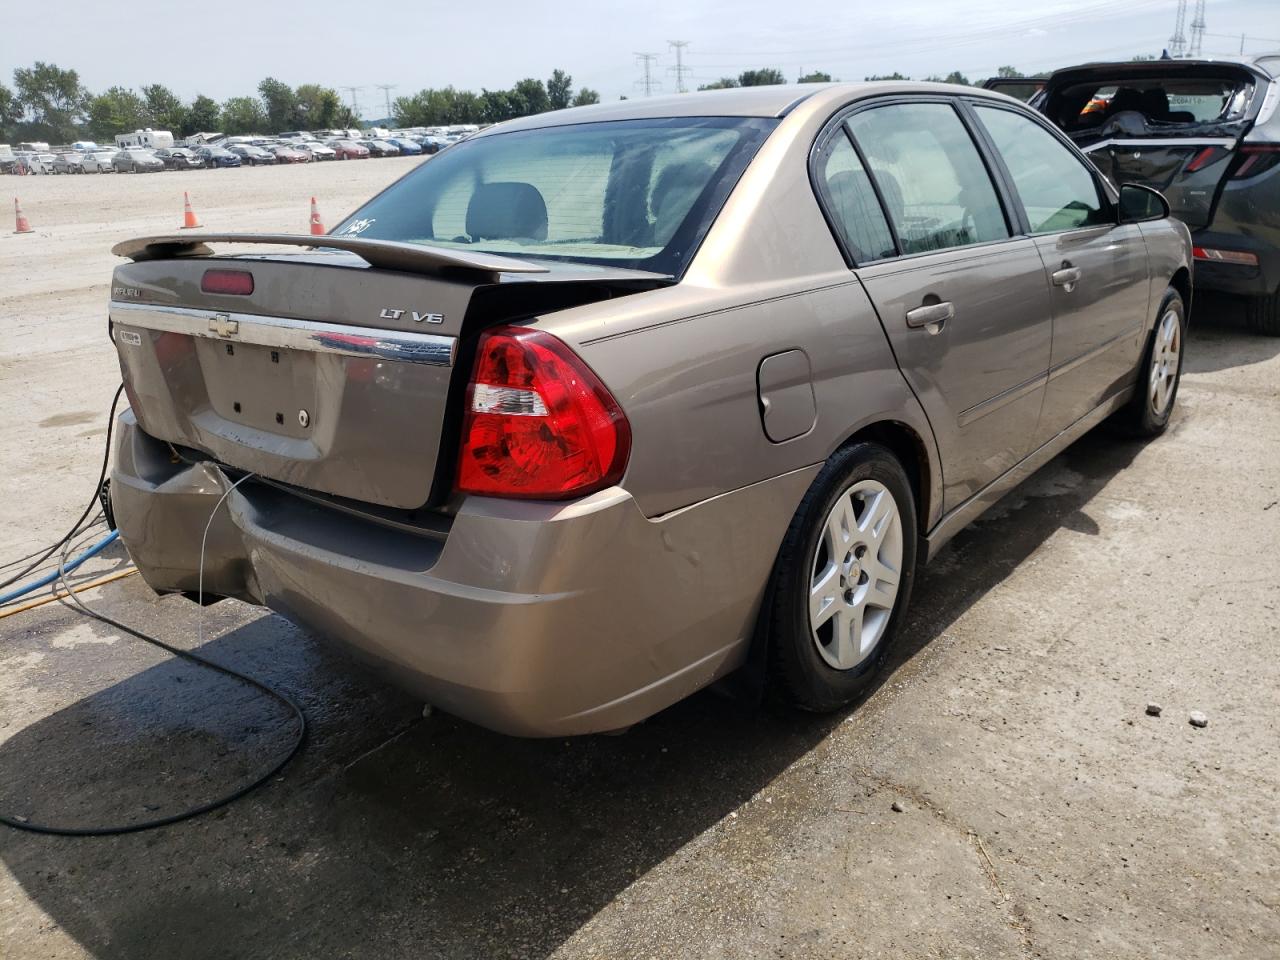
[(530, 618)]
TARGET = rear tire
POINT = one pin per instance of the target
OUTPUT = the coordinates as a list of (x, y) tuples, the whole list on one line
[(842, 580), (1147, 413), (1263, 314)]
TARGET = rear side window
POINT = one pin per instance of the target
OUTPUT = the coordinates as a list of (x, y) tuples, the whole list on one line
[(1056, 188), (852, 203), (931, 176)]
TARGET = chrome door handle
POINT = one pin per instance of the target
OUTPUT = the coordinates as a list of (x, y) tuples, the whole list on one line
[(931, 316), (1067, 277)]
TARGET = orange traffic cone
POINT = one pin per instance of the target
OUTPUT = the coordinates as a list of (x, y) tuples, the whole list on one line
[(23, 224), (317, 226), (189, 220)]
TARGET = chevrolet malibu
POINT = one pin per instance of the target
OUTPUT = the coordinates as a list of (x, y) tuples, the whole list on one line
[(603, 405)]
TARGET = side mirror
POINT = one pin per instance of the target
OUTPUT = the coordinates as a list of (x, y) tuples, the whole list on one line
[(1138, 204)]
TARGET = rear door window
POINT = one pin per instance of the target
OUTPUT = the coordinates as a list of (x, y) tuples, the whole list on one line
[(1056, 188), (852, 205), (931, 176)]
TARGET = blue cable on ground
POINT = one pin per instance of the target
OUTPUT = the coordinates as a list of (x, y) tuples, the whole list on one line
[(93, 551)]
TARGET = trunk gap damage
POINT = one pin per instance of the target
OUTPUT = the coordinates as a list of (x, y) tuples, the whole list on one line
[(282, 382)]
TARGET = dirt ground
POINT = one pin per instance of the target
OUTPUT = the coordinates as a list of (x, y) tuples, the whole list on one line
[(1043, 813)]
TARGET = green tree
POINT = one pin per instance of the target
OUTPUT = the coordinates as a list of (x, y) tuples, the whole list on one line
[(10, 112), (203, 116), (118, 110), (1009, 73), (280, 103), (529, 96), (888, 76), (559, 90), (586, 96), (724, 83), (818, 76), (498, 105), (165, 110), (760, 78), (955, 76), (243, 115), (52, 98), (345, 117), (316, 107)]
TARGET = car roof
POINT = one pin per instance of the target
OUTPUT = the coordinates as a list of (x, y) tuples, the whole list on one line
[(772, 101)]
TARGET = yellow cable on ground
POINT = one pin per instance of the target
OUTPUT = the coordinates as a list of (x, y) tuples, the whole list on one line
[(32, 604)]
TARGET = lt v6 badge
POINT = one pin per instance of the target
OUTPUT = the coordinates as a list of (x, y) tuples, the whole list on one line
[(391, 314)]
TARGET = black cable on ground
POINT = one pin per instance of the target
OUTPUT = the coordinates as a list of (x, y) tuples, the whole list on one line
[(80, 607), (93, 501)]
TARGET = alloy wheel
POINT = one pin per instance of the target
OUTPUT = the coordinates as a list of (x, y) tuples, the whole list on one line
[(1165, 353), (856, 570)]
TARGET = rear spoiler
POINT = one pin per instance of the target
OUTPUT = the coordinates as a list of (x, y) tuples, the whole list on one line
[(386, 254)]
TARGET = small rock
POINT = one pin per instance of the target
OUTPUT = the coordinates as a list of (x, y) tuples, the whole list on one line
[(1198, 719), (897, 807), (1154, 709)]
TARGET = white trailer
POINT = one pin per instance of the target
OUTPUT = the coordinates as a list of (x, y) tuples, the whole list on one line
[(148, 138)]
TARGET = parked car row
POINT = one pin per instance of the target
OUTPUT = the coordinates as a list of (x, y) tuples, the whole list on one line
[(225, 153)]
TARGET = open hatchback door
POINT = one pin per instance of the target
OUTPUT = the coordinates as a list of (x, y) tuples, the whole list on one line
[(1178, 126)]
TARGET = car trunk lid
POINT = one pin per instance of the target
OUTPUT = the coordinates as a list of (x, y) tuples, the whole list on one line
[(338, 372)]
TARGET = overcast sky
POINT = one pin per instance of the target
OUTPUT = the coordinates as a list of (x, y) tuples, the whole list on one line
[(224, 47)]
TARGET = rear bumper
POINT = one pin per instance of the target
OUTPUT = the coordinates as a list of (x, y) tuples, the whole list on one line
[(535, 619), (1241, 279)]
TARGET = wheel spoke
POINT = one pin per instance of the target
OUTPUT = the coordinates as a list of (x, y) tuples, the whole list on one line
[(846, 637), (876, 514), (882, 586), (824, 599), (840, 529)]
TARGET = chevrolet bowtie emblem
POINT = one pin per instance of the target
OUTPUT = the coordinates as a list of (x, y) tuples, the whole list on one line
[(223, 325)]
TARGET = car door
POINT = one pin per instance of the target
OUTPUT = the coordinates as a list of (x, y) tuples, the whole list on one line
[(964, 301), (1097, 269)]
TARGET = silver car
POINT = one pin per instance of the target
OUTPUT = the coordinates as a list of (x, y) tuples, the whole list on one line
[(600, 405)]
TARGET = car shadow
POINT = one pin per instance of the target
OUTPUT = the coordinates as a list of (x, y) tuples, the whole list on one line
[(1220, 339), (391, 835)]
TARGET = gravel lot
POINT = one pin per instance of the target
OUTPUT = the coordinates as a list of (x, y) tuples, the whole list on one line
[(1002, 794)]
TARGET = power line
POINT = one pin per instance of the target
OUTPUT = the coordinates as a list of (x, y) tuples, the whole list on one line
[(1197, 30), (1178, 42), (386, 89), (355, 107), (681, 71), (648, 83)]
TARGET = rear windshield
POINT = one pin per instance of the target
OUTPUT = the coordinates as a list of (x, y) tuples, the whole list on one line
[(1147, 106), (635, 193)]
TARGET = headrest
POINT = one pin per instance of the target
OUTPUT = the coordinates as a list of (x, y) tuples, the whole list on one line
[(507, 211)]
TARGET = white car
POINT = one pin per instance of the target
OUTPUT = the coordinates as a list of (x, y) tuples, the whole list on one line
[(38, 162), (317, 150)]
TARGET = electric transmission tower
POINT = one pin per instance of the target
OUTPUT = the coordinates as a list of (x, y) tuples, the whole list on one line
[(680, 70), (386, 89), (355, 107), (648, 83), (1178, 42), (1197, 30)]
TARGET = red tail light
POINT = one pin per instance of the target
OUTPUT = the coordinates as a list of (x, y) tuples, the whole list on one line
[(539, 424), (1255, 159), (238, 282), (1204, 158)]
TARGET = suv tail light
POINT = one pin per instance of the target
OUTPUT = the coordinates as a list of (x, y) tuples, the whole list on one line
[(1255, 159), (539, 423)]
